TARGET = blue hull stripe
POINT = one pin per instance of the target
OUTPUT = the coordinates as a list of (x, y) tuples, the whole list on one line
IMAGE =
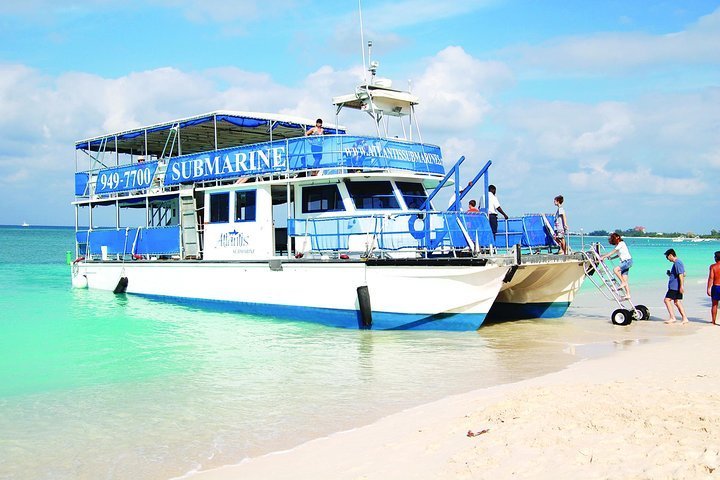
[(519, 311), (335, 317)]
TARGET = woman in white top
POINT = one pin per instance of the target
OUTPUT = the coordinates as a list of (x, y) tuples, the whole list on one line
[(317, 129), (316, 147), (621, 250)]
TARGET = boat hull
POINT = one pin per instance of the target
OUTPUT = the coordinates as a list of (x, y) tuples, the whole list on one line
[(402, 296), (539, 290)]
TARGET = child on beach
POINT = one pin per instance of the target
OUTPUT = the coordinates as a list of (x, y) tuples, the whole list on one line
[(561, 226), (713, 287), (676, 287), (622, 251)]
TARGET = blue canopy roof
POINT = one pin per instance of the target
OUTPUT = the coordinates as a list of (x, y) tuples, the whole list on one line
[(199, 134)]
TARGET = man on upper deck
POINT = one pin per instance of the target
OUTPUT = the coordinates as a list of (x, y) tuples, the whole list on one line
[(493, 209)]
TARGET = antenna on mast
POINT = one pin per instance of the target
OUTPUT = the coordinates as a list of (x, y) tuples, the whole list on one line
[(375, 95), (362, 41), (374, 64)]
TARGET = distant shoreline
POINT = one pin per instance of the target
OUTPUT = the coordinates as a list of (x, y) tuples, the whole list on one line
[(653, 237), (58, 227)]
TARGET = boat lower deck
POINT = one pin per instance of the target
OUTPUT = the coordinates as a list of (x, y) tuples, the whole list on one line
[(427, 294)]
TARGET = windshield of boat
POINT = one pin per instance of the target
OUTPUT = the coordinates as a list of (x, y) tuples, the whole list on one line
[(413, 193), (373, 195), (322, 198)]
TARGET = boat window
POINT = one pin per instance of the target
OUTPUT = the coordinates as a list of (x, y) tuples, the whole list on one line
[(245, 206), (322, 198), (372, 195), (219, 207), (413, 193)]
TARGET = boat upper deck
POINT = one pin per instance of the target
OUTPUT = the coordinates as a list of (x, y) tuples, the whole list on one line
[(200, 133), (223, 145)]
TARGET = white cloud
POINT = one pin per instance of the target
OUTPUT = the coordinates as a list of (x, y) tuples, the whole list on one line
[(44, 116), (637, 182), (644, 147), (615, 124), (712, 157), (454, 88), (605, 53), (616, 162), (562, 130)]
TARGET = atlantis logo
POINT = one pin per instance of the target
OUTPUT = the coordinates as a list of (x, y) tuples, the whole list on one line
[(233, 239)]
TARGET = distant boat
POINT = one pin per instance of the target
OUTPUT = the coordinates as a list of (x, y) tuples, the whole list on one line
[(678, 239), (697, 239), (25, 224)]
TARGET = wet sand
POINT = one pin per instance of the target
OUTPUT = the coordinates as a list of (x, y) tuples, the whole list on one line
[(644, 404)]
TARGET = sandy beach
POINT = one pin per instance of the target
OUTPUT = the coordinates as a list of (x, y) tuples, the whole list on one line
[(648, 410)]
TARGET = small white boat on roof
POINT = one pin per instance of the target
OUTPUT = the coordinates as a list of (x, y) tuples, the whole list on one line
[(242, 211)]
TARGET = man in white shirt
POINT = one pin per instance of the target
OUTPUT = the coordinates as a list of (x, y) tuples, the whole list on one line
[(493, 209)]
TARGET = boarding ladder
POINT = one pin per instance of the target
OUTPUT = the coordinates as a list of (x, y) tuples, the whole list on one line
[(600, 272), (188, 224)]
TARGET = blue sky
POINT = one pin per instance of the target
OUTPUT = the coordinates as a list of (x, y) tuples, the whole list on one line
[(613, 104)]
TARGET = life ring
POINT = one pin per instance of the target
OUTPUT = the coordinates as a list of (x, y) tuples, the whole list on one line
[(79, 259), (416, 234)]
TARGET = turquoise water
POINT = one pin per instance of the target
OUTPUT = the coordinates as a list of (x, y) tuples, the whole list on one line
[(94, 385)]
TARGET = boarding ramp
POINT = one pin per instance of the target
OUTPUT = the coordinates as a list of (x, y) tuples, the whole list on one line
[(600, 273)]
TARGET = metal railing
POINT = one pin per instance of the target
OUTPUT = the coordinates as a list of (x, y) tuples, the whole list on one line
[(422, 232), (120, 243)]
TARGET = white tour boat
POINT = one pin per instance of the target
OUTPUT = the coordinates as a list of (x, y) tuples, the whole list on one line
[(243, 211)]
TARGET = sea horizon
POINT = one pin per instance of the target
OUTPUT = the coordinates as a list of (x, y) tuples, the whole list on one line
[(38, 226)]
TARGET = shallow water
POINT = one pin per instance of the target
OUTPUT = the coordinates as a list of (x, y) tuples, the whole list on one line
[(94, 385)]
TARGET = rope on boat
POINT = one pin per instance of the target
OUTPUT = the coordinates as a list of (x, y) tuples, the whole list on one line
[(134, 245)]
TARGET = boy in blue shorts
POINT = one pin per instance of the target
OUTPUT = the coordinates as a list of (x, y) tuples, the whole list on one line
[(675, 287)]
